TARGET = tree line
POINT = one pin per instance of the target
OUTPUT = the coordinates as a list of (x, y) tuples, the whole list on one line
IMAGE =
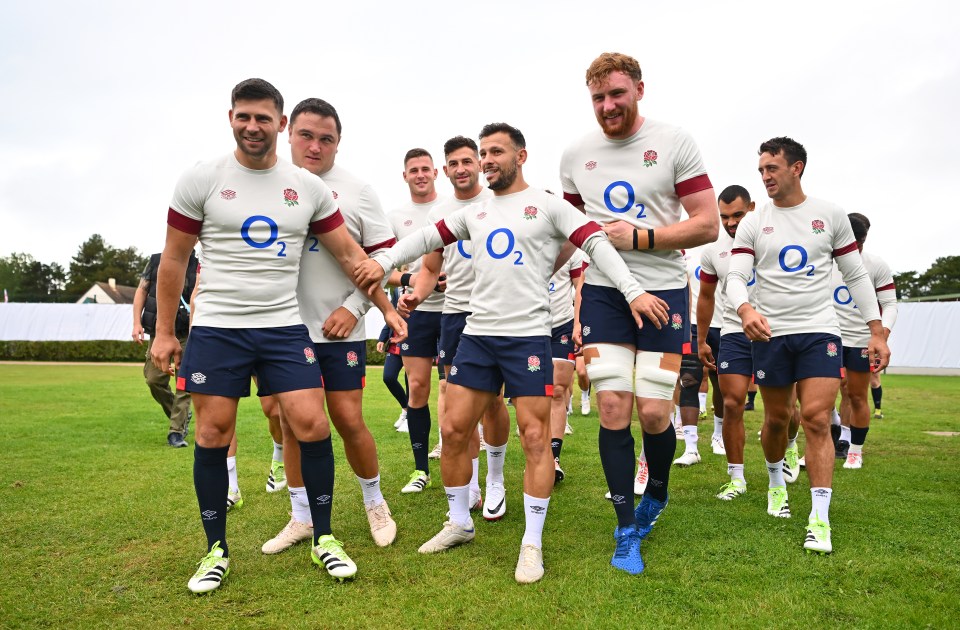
[(26, 279)]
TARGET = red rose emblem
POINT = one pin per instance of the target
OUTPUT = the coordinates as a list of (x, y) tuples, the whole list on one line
[(676, 321), (530, 212), (290, 194), (309, 356), (817, 226), (650, 155), (351, 356), (533, 364)]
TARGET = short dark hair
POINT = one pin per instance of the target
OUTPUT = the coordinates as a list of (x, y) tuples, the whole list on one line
[(415, 153), (458, 142), (860, 225), (792, 150), (515, 136), (733, 192), (319, 107), (256, 90)]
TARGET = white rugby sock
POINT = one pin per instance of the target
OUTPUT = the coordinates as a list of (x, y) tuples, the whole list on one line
[(703, 401), (278, 452), (371, 490), (718, 427), (736, 472), (776, 474), (232, 472), (495, 457), (690, 438), (835, 418), (299, 506), (535, 511), (845, 433), (458, 498), (821, 503), (475, 476)]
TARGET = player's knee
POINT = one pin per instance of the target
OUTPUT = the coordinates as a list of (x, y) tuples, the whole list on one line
[(652, 380), (610, 367)]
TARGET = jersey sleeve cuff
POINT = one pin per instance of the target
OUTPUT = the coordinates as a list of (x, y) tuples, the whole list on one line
[(582, 233), (709, 278), (573, 199), (384, 245), (183, 223), (692, 185), (327, 224)]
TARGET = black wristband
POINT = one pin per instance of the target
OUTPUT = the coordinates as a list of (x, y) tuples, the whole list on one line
[(405, 280), (650, 238), (636, 239)]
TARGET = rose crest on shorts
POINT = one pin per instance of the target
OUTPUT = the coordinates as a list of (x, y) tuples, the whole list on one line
[(290, 197), (761, 374), (309, 356), (533, 363), (831, 349), (352, 359), (530, 212), (649, 158), (864, 353), (586, 331), (817, 226), (564, 339), (676, 321)]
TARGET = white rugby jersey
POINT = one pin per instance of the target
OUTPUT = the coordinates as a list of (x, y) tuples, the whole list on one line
[(715, 269), (516, 239), (323, 287), (252, 225), (457, 257), (693, 258), (639, 180), (562, 290), (853, 330), (792, 251), (406, 220)]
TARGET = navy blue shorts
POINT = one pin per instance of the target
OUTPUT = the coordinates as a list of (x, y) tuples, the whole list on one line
[(606, 318), (713, 340), (220, 361), (451, 328), (561, 342), (690, 347), (856, 359), (423, 335), (343, 365), (735, 355), (785, 360), (522, 365)]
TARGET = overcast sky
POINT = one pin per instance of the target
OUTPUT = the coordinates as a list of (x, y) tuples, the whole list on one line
[(106, 103)]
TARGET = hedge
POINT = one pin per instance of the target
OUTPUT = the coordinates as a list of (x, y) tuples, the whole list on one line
[(102, 351)]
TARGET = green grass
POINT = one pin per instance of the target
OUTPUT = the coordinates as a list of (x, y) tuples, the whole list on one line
[(101, 529)]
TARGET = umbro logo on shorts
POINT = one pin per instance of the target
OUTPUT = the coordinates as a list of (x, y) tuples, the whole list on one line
[(208, 514), (198, 377), (724, 365), (443, 355), (323, 499), (404, 346), (453, 371)]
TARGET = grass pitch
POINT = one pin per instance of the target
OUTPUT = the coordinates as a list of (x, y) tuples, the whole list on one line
[(101, 528)]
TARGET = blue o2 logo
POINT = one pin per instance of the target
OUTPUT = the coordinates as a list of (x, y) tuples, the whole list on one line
[(696, 272), (274, 231), (793, 258), (841, 295), (462, 251), (753, 280), (503, 247), (631, 201)]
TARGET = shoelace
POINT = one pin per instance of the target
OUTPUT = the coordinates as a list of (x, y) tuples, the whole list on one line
[(623, 545), (529, 561), (379, 516)]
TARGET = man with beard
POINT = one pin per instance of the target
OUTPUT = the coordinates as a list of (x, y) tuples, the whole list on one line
[(518, 234), (636, 175), (252, 215)]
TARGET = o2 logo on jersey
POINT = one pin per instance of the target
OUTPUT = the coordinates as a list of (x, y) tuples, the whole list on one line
[(462, 251), (841, 295), (612, 197), (793, 258), (696, 272), (499, 249), (252, 224)]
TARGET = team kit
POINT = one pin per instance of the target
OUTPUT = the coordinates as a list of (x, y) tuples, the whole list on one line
[(636, 277)]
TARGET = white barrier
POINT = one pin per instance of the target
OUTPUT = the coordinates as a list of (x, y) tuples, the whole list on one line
[(926, 335)]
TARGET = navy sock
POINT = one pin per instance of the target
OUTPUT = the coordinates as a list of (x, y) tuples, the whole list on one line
[(660, 450), (316, 465), (618, 458), (751, 396), (211, 481), (418, 422), (858, 436), (877, 393), (556, 445)]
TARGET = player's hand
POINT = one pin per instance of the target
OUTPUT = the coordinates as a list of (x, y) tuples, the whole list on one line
[(397, 325), (755, 325), (653, 308), (620, 234), (577, 333), (879, 353), (441, 283), (340, 324), (380, 346), (706, 356), (407, 304), (165, 352), (886, 334), (368, 274), (137, 333)]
